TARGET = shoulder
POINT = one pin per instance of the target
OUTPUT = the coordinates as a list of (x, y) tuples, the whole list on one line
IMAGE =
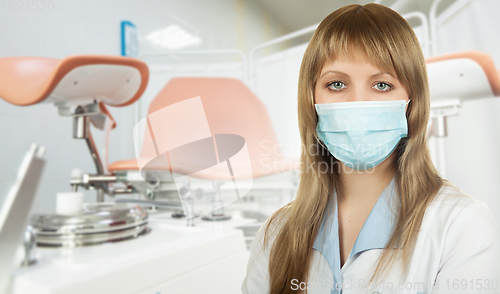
[(257, 279), (451, 205), (457, 220), (467, 236), (265, 237), (453, 197)]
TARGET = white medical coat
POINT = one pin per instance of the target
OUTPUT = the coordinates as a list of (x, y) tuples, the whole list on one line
[(457, 251)]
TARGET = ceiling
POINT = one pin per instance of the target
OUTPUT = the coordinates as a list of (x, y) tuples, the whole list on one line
[(298, 14)]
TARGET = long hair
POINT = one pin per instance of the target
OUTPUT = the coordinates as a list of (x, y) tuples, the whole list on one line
[(387, 40)]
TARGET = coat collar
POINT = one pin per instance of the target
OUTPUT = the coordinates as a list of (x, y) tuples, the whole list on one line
[(374, 234)]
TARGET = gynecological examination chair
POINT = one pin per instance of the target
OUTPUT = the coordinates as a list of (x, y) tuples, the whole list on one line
[(453, 79), (225, 132), (80, 87)]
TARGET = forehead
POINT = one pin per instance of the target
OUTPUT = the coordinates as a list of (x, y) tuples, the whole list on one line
[(356, 66), (355, 56), (349, 64), (352, 54)]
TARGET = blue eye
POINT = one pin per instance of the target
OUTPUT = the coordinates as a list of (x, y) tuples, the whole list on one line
[(336, 85), (383, 87)]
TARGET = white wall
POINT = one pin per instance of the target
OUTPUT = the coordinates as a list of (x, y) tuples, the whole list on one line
[(93, 27)]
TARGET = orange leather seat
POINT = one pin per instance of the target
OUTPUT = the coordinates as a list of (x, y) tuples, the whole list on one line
[(230, 108), (482, 58), (30, 80)]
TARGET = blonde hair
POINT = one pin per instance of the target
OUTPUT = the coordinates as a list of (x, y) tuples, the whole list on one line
[(388, 41)]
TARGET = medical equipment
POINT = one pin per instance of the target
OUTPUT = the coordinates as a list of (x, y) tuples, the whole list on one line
[(268, 192), (239, 123), (168, 260), (168, 257), (80, 86), (172, 258), (230, 109), (14, 212), (453, 79)]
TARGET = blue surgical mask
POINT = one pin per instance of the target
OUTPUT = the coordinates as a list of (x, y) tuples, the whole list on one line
[(362, 134)]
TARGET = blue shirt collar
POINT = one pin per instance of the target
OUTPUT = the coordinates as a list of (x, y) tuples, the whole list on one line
[(374, 234)]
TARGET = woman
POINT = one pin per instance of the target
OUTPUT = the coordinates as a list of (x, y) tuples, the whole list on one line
[(371, 212)]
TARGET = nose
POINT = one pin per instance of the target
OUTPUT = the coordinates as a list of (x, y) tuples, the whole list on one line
[(358, 93)]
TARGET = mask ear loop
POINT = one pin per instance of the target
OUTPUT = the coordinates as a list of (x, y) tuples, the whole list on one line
[(316, 135), (407, 105)]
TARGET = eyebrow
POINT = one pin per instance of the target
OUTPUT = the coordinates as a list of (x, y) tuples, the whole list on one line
[(344, 74)]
